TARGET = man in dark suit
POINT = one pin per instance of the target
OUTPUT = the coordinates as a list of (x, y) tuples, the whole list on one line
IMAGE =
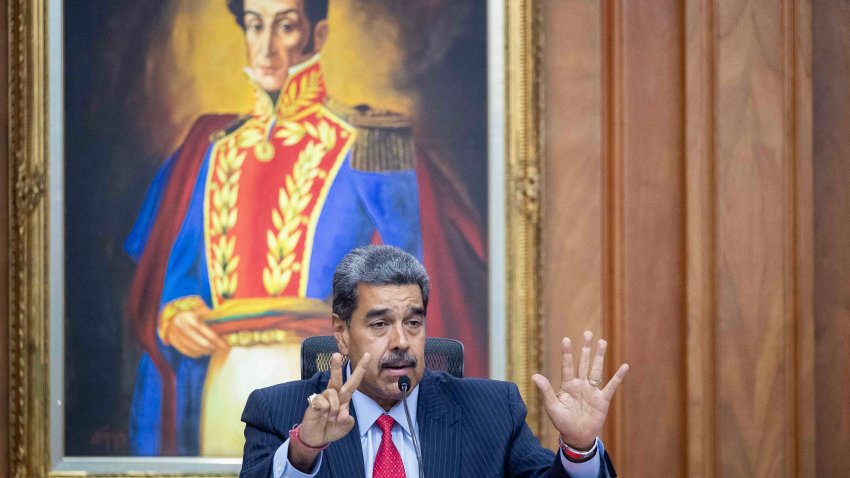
[(348, 424)]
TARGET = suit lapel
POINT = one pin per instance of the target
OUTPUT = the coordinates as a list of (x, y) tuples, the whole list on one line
[(438, 416), (345, 457)]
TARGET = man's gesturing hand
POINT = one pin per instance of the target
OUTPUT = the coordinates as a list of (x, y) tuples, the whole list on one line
[(329, 418), (578, 409)]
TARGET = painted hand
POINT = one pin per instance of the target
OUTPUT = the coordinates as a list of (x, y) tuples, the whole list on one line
[(190, 335)]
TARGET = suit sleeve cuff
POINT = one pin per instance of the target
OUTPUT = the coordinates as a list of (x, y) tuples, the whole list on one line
[(588, 469), (281, 468)]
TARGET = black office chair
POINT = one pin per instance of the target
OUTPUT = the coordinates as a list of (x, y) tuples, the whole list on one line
[(445, 355)]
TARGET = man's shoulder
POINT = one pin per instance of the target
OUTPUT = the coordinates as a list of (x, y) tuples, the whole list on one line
[(383, 138), (483, 402), (212, 127), (475, 382), (295, 388), (480, 388)]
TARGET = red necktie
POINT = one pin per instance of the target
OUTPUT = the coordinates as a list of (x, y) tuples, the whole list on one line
[(388, 462)]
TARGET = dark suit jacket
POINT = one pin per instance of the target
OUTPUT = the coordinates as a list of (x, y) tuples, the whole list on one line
[(467, 428)]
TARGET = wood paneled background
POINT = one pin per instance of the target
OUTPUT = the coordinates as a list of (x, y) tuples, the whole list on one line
[(697, 214)]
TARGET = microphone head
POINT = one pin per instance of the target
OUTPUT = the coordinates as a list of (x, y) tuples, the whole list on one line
[(403, 383)]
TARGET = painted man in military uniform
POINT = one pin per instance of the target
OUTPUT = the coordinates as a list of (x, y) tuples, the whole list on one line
[(241, 230)]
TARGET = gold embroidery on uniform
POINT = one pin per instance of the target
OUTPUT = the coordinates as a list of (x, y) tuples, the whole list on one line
[(293, 199), (292, 132), (252, 135), (301, 95), (223, 218)]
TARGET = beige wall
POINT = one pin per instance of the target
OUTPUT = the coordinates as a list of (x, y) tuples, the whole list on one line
[(682, 223)]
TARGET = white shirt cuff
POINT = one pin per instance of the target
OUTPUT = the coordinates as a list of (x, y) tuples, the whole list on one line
[(281, 468), (588, 469)]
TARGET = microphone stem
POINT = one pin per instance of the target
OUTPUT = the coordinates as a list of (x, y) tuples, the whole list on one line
[(412, 432)]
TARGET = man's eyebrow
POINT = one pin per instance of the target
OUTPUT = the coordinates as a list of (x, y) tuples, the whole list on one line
[(376, 313), (276, 14), (416, 311), (286, 12)]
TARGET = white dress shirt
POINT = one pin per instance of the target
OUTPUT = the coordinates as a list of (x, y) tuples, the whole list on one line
[(368, 411)]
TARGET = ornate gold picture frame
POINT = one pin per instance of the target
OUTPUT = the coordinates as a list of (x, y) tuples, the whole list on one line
[(36, 258)]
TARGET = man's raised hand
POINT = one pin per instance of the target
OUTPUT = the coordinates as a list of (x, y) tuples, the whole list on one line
[(328, 416), (579, 407)]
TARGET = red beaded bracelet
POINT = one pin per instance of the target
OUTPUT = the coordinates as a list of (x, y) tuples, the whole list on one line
[(294, 436)]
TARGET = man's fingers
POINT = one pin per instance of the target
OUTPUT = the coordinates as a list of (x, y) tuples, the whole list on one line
[(568, 370), (356, 376), (214, 339), (615, 381), (331, 396), (201, 341), (318, 407), (336, 371), (185, 336), (188, 346), (344, 418), (598, 361), (550, 400), (584, 359)]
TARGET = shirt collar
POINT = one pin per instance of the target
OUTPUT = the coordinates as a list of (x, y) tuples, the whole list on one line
[(368, 411)]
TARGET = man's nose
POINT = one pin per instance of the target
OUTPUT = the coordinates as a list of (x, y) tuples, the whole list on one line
[(268, 43), (399, 339)]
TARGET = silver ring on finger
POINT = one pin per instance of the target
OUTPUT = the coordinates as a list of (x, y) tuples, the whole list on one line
[(595, 383), (310, 401)]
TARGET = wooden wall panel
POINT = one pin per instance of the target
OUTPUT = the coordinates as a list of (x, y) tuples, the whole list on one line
[(832, 233), (762, 205), (700, 183), (614, 207), (649, 330), (572, 232), (705, 212), (753, 405)]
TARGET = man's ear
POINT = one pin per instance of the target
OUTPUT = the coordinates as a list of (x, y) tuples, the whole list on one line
[(320, 35), (341, 334)]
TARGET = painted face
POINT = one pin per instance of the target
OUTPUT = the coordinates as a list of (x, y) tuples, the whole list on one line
[(276, 34), (389, 323)]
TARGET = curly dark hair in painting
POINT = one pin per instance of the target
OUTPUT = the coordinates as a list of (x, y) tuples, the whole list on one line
[(315, 10)]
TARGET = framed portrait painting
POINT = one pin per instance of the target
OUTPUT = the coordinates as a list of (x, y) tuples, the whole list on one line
[(188, 173)]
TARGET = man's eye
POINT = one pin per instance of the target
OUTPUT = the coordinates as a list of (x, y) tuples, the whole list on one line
[(254, 27), (286, 27), (414, 323), (378, 325)]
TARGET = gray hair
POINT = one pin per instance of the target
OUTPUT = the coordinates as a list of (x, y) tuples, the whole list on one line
[(375, 265)]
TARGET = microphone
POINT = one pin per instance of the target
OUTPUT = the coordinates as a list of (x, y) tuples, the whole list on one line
[(404, 386)]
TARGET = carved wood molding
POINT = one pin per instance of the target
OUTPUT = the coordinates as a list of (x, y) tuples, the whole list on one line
[(29, 451), (524, 271)]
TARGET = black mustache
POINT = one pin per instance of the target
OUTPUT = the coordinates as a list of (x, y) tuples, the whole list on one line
[(398, 359)]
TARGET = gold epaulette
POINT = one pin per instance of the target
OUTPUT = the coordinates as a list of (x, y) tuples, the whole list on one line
[(384, 140), (233, 126)]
